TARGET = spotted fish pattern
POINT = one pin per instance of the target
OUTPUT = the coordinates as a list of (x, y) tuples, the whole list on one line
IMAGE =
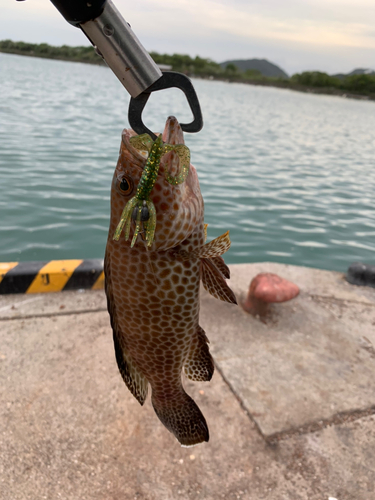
[(153, 292)]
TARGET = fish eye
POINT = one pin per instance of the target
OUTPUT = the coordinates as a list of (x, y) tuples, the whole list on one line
[(125, 185)]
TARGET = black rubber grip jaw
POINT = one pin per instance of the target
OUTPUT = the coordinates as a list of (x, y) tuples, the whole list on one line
[(170, 79)]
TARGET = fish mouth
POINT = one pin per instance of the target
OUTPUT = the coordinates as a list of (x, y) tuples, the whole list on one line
[(179, 207), (172, 134)]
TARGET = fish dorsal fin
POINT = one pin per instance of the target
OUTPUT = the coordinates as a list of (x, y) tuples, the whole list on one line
[(135, 381), (214, 282), (199, 365)]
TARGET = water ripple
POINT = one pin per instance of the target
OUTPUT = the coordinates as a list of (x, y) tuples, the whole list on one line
[(290, 174)]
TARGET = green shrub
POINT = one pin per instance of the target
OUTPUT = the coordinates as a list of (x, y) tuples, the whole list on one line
[(315, 79), (359, 83)]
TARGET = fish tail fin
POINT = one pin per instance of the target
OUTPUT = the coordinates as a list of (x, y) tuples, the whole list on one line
[(183, 418)]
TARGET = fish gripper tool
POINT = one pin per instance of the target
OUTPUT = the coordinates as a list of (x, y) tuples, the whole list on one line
[(115, 41), (169, 79)]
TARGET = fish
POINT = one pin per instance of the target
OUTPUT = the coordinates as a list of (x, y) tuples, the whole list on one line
[(152, 277)]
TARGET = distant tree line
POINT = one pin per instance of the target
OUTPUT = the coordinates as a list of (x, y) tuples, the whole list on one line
[(362, 84), (84, 54), (197, 66)]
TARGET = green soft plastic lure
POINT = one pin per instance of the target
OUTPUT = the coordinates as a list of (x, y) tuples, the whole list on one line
[(140, 208)]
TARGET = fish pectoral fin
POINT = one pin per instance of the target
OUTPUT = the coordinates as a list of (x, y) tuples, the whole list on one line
[(135, 381), (210, 250), (222, 267), (214, 282), (214, 248), (199, 365)]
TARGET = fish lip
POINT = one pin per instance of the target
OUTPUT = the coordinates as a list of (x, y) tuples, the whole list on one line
[(172, 126), (127, 133)]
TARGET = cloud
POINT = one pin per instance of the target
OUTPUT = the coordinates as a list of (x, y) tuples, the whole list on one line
[(332, 35), (286, 21)]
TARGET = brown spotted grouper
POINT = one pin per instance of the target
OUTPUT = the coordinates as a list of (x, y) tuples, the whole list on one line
[(152, 287)]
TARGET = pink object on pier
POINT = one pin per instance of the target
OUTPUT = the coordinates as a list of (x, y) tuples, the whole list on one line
[(267, 288)]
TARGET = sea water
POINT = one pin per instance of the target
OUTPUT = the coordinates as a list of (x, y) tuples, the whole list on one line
[(292, 175)]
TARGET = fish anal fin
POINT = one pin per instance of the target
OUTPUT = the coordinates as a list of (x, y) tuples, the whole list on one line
[(199, 365), (133, 378), (214, 282)]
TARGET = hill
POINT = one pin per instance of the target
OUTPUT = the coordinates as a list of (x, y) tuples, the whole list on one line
[(361, 71), (358, 71), (262, 65)]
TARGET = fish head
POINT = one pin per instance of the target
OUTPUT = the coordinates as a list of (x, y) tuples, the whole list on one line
[(179, 208)]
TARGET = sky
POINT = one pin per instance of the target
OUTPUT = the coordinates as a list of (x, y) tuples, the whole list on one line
[(335, 36)]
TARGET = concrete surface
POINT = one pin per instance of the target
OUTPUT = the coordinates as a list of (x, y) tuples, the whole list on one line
[(291, 408)]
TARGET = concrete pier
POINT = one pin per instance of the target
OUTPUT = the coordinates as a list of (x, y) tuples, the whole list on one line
[(291, 407)]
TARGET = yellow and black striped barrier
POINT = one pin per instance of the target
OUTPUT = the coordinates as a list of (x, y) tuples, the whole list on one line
[(52, 276)]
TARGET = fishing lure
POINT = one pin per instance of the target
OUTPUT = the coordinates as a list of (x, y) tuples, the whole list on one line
[(140, 208)]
